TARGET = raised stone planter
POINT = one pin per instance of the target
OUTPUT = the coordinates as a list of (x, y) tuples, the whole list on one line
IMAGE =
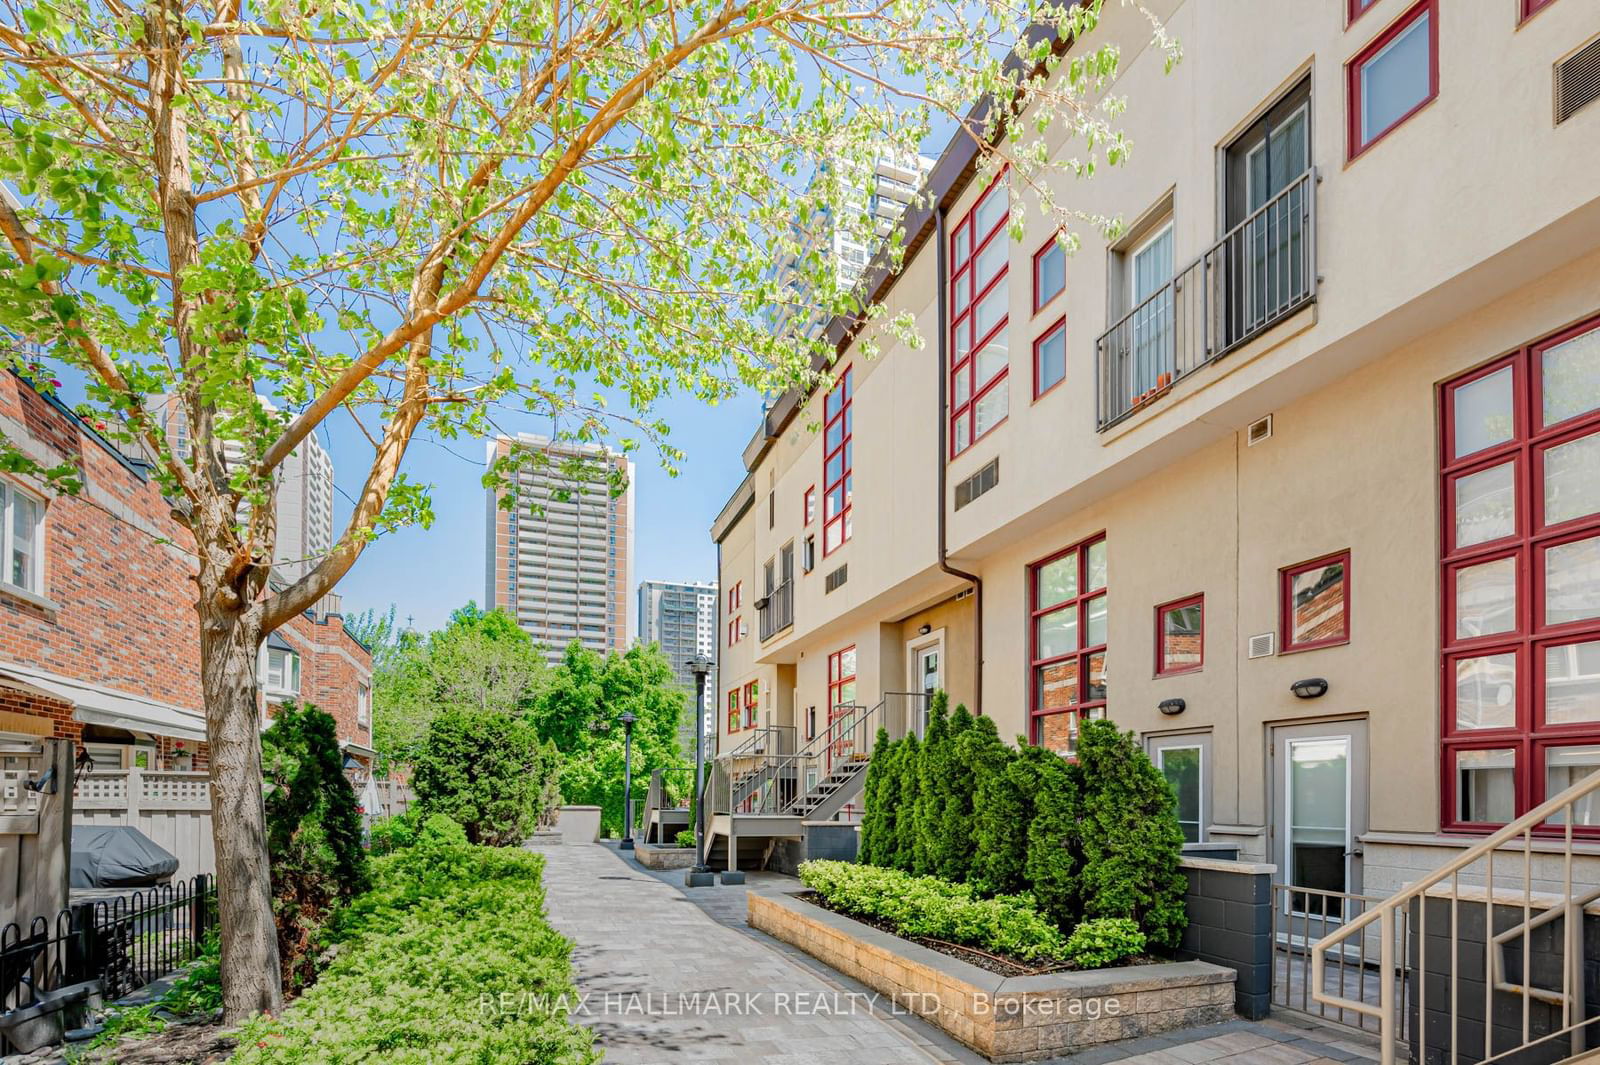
[(653, 857), (1004, 1018), (580, 824)]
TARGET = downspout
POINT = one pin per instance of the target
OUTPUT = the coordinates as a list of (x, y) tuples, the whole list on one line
[(942, 460)]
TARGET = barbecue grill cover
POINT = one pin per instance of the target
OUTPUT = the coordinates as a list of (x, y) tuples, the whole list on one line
[(117, 856)]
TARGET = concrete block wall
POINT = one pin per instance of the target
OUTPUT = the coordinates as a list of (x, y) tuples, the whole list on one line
[(1230, 924)]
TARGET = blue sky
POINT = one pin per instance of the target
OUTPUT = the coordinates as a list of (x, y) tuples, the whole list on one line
[(426, 573)]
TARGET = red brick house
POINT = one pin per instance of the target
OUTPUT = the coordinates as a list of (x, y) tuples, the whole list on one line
[(97, 626)]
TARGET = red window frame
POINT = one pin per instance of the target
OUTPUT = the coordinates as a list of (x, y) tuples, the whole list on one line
[(809, 506), (1162, 669), (735, 630), (1286, 641), (736, 595), (837, 678), (963, 270), (1354, 9), (733, 710), (1530, 8), (837, 442), (1040, 300), (1430, 8), (1087, 702), (1529, 736), (1058, 326), (752, 697)]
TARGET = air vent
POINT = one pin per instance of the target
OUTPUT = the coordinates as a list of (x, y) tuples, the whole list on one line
[(1262, 646), (1260, 429), (836, 578), (1577, 80), (978, 483)]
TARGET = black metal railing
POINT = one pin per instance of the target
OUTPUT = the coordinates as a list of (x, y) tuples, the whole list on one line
[(1260, 272), (121, 944), (777, 610)]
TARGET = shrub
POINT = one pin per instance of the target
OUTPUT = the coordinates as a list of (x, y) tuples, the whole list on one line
[(685, 838), (1000, 807), (877, 824), (1051, 865), (1104, 941), (196, 992), (907, 780), (1129, 835), (930, 770), (313, 833), (935, 909), (952, 838), (447, 928), (395, 833), (489, 772)]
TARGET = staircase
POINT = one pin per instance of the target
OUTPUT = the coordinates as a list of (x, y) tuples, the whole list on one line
[(1479, 915), (753, 852), (831, 793)]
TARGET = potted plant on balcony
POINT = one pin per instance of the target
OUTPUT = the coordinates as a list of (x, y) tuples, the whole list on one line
[(182, 757)]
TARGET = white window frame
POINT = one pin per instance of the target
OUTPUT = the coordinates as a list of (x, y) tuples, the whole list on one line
[(265, 672), (364, 705), (9, 492), (1159, 230)]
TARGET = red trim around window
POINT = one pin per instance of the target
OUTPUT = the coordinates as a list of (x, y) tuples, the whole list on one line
[(808, 506), (838, 678), (1085, 699), (1286, 576), (965, 298), (1531, 8), (1058, 326), (1430, 8), (1040, 299), (838, 462), (1354, 9), (1163, 669), (1529, 639), (733, 710), (752, 698)]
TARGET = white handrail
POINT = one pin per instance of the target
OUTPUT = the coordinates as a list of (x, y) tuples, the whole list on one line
[(1383, 914)]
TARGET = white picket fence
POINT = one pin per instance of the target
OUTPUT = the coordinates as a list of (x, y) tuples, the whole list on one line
[(172, 808)]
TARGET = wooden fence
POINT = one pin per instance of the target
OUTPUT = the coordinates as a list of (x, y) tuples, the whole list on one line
[(172, 808)]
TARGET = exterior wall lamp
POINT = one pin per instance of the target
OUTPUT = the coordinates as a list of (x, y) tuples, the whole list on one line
[(1172, 707), (1310, 688)]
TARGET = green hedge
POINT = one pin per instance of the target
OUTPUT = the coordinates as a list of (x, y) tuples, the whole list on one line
[(935, 908), (447, 958), (1096, 837)]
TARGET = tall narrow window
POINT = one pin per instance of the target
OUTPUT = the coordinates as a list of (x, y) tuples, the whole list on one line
[(1521, 581), (733, 710), (810, 507), (1049, 274), (838, 463), (980, 358), (1068, 643), (1394, 76), (841, 680), (1183, 760), (1050, 359), (752, 694)]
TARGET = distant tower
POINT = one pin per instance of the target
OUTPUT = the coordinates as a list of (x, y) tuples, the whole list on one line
[(681, 616), (560, 563)]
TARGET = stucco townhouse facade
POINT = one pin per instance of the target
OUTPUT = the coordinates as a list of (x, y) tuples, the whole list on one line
[(97, 629), (1298, 478)]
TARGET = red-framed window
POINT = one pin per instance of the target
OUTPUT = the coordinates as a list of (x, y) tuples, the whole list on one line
[(1314, 603), (1067, 642), (838, 463), (736, 596), (980, 353), (1050, 358), (736, 630), (1049, 273), (1180, 636), (809, 507), (841, 679), (733, 710), (1394, 76), (1356, 8), (1520, 581), (1531, 8), (752, 697)]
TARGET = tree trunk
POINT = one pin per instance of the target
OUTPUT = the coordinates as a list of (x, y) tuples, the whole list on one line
[(250, 973)]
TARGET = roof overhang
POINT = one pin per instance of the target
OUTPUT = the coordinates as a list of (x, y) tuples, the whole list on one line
[(96, 705)]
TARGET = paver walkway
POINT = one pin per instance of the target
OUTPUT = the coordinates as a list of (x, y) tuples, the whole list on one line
[(646, 945)]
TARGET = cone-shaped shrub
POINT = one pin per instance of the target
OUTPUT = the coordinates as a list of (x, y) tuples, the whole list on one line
[(931, 768), (877, 824), (952, 841), (1000, 811), (906, 778), (1051, 867)]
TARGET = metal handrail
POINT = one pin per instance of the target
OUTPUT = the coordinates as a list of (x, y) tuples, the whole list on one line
[(778, 612), (1384, 915)]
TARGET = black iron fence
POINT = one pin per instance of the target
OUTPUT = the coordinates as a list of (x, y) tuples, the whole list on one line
[(776, 612), (119, 944)]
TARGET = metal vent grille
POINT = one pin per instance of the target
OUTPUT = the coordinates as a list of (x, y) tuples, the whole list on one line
[(1577, 80), (978, 483), (836, 578), (1260, 429), (1262, 646)]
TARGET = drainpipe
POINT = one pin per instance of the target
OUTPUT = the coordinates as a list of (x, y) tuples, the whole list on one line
[(942, 460)]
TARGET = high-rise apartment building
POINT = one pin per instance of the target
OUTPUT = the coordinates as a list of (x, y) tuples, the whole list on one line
[(682, 618), (559, 561), (304, 493)]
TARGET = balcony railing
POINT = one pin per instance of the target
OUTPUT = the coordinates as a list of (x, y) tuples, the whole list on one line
[(1260, 272), (776, 612)]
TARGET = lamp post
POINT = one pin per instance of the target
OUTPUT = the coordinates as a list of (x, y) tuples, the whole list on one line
[(700, 666), (627, 720)]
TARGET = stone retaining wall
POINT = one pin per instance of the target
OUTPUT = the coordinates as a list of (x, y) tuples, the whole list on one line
[(1005, 1018), (653, 857)]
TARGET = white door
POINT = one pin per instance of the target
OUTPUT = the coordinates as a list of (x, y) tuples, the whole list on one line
[(1320, 813)]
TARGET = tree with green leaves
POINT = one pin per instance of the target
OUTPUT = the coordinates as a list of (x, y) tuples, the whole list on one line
[(486, 770), (905, 786), (932, 765), (418, 218), (1000, 811), (877, 823), (1052, 862), (952, 839)]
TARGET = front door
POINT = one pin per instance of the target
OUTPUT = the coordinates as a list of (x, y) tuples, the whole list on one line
[(1319, 812)]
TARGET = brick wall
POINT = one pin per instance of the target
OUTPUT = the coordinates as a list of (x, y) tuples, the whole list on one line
[(333, 667)]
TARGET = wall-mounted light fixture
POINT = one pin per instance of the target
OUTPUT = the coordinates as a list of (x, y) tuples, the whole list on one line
[(1310, 688), (1171, 706), (924, 630)]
